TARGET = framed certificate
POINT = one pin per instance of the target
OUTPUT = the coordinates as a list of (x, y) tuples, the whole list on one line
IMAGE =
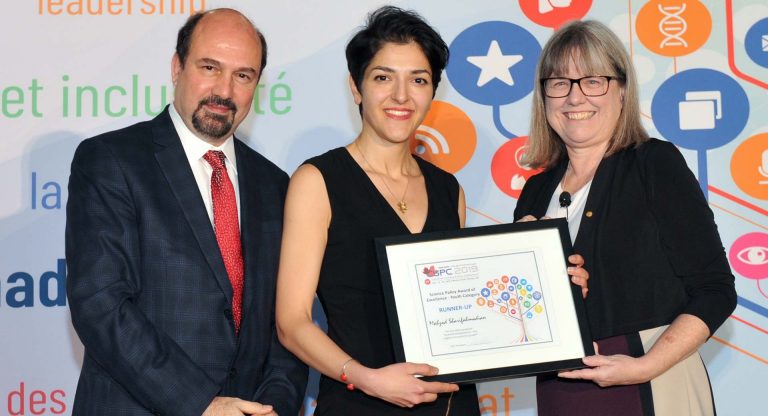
[(485, 303)]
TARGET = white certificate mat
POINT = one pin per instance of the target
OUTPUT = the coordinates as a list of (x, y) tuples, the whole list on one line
[(485, 303)]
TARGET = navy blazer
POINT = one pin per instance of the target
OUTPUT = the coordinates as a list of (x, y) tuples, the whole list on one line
[(147, 288), (649, 241)]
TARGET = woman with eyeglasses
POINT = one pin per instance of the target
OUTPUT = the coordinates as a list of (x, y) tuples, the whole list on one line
[(660, 283)]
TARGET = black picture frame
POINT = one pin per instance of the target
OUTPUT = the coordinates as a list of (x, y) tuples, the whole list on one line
[(448, 304)]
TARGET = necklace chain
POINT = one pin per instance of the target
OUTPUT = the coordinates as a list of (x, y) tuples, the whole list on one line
[(401, 204)]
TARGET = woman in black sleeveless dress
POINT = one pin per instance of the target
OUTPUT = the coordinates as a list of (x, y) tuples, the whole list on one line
[(340, 201)]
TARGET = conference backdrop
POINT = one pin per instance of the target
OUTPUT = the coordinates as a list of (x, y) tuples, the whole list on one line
[(72, 69)]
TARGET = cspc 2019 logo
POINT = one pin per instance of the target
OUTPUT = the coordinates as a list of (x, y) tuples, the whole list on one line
[(20, 287), (432, 273)]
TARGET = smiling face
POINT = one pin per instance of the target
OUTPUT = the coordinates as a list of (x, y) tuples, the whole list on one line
[(581, 121), (396, 92), (214, 88)]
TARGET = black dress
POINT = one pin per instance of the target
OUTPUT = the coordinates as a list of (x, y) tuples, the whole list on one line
[(350, 289)]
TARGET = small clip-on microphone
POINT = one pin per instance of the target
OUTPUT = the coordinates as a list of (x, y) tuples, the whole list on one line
[(565, 199)]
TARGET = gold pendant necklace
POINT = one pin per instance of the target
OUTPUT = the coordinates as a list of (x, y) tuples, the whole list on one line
[(401, 204)]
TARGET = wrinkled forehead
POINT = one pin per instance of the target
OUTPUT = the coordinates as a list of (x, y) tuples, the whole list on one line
[(588, 60), (227, 29)]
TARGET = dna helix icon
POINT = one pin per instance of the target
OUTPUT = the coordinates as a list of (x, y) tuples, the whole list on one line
[(673, 26)]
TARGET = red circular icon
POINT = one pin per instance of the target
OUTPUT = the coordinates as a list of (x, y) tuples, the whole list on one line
[(508, 173), (554, 13)]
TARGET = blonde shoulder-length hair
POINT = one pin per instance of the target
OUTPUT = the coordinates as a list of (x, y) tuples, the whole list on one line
[(597, 51)]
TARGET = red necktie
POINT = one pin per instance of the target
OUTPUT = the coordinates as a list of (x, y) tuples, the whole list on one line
[(227, 228)]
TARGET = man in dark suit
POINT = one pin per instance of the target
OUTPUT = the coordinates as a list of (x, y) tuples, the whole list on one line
[(172, 241)]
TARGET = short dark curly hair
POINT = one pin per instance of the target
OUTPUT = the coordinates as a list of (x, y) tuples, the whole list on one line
[(391, 24)]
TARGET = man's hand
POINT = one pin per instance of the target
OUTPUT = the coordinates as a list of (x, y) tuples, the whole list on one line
[(232, 406)]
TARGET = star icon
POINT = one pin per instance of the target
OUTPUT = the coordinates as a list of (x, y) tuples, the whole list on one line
[(495, 65)]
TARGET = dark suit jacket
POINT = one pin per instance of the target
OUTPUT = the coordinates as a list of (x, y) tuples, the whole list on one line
[(148, 291), (649, 242)]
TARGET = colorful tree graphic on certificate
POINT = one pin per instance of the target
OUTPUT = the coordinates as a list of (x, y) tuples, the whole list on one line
[(519, 299)]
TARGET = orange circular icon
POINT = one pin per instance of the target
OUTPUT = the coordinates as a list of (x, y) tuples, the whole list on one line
[(749, 166), (446, 137), (673, 27)]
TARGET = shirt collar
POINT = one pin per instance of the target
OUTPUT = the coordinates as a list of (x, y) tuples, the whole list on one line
[(194, 146)]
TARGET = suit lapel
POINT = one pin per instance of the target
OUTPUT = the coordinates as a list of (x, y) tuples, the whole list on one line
[(251, 206), (173, 162)]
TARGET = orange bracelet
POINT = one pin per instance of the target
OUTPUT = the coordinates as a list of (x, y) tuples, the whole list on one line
[(343, 377)]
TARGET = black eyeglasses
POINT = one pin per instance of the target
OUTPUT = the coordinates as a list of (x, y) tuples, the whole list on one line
[(592, 86)]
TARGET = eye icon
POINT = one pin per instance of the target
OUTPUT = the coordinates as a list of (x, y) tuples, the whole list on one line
[(755, 255), (749, 256)]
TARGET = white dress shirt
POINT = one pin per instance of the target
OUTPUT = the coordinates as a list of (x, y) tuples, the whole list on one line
[(571, 213), (195, 148)]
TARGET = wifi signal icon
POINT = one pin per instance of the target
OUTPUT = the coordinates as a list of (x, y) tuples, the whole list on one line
[(446, 137), (432, 138)]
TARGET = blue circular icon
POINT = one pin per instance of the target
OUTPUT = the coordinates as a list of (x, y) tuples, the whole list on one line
[(513, 280), (505, 296), (700, 109), (485, 292), (529, 287), (529, 315), (756, 43), (537, 295), (493, 63)]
